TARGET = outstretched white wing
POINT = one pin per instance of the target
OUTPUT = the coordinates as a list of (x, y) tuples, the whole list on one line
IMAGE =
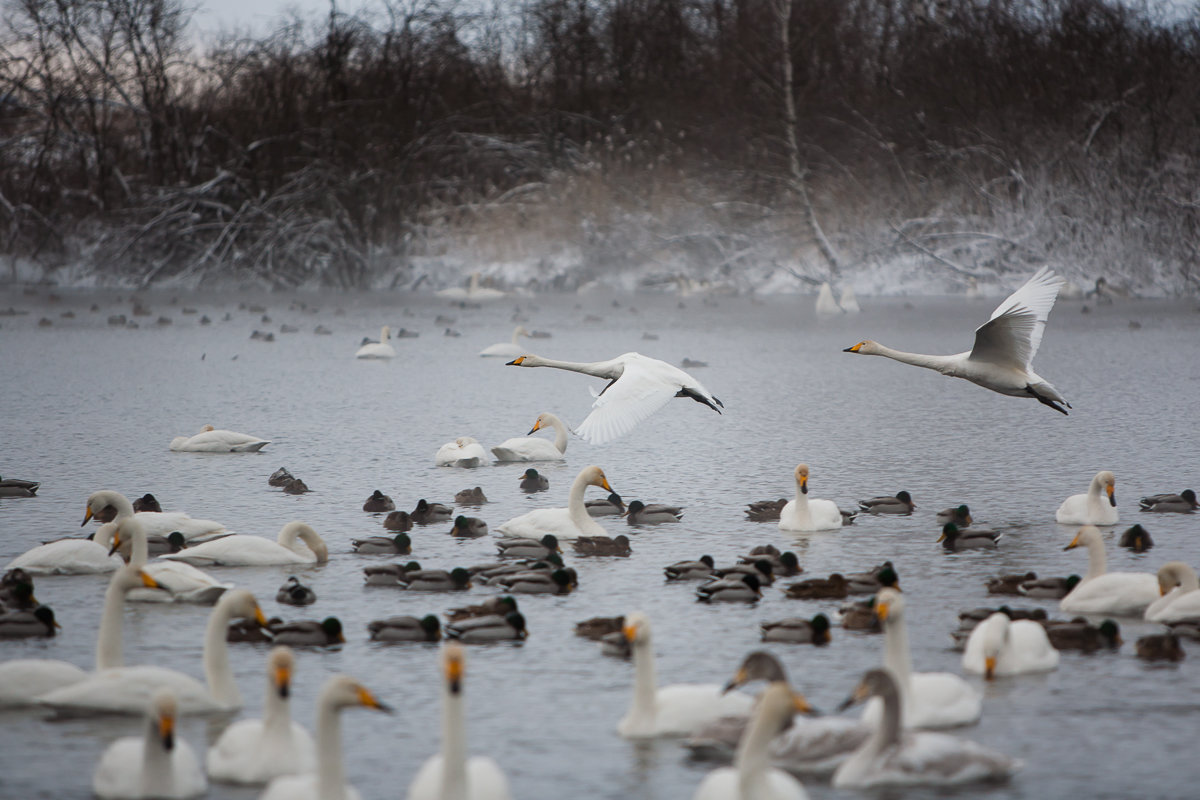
[(639, 392), (1012, 336)]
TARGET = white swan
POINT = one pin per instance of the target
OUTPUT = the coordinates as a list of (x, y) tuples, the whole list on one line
[(380, 349), (803, 514), (752, 777), (1180, 591), (1102, 592), (1000, 646), (895, 757), (473, 291), (507, 349), (849, 301), (254, 751), (531, 448), (452, 775), (70, 556), (155, 765), (107, 506), (675, 710), (930, 699), (462, 452), (297, 543), (176, 581), (1093, 508), (126, 690), (825, 302), (638, 386), (565, 523), (211, 440), (23, 680), (1004, 346), (329, 780)]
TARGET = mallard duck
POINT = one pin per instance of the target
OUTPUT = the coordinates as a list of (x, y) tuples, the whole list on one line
[(1187, 628), (1049, 588), (760, 568), (797, 631), (294, 593), (502, 605), (147, 502), (486, 573), (280, 477), (520, 547), (436, 580), (603, 545), (1079, 634), (15, 487), (834, 586), (959, 515), (16, 591), (400, 544), (426, 512), (389, 574), (902, 503), (597, 628), (406, 629), (310, 632), (701, 569), (247, 630), (1092, 508), (608, 506), (1136, 539), (378, 502), (469, 527), (872, 580), (560, 581), (743, 588), (953, 539), (533, 481), (295, 486), (398, 521), (1009, 584), (638, 513), (25, 623), (784, 565), (1160, 647), (859, 615), (765, 510), (1182, 503), (494, 628), (470, 497)]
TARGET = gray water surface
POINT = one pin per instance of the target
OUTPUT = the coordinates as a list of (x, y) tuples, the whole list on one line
[(86, 406)]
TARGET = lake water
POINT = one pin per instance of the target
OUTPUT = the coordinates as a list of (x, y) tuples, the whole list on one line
[(86, 406)]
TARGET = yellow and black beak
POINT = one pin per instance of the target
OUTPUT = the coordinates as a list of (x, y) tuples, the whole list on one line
[(802, 706), (604, 482), (734, 682), (454, 673), (283, 681), (116, 543), (881, 610), (516, 362), (989, 667), (166, 731), (854, 349), (259, 618), (87, 516), (147, 581), (860, 693), (804, 484), (630, 632), (537, 426), (1112, 494), (368, 700), (1074, 543)]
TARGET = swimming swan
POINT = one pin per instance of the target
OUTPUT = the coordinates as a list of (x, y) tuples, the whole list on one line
[(999, 646), (564, 523), (451, 773), (638, 386), (1002, 357), (253, 751), (155, 765), (108, 506), (218, 441), (507, 349), (297, 543), (380, 349), (1180, 594), (176, 581), (462, 452), (531, 448), (1092, 508), (1101, 592), (803, 514)]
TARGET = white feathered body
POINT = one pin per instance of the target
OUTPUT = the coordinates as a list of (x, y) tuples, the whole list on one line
[(120, 775), (218, 441)]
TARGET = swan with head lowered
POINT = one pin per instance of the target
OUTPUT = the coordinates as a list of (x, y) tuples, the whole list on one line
[(328, 782), (1102, 592), (380, 349), (1097, 507), (452, 774), (176, 581), (507, 349), (127, 690), (211, 440), (638, 386), (531, 448), (22, 680), (564, 523), (803, 514), (297, 543), (1002, 357), (1000, 646), (1180, 590), (107, 506)]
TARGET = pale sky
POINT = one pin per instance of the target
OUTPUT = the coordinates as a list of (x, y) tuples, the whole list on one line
[(257, 15)]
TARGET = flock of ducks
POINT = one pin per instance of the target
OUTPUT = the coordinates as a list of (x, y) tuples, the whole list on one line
[(157, 556)]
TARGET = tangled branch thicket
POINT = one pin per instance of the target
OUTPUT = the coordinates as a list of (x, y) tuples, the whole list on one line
[(982, 136)]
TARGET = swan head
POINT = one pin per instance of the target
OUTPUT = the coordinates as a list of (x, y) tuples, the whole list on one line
[(1173, 574), (128, 577), (594, 476), (342, 691), (757, 666), (526, 360), (207, 429), (1107, 481), (520, 331), (305, 533), (1086, 536), (802, 478), (106, 506), (874, 682), (240, 604), (163, 711), (866, 347), (544, 420), (636, 629), (280, 663), (385, 333), (127, 529), (995, 635), (463, 441), (778, 704), (889, 605), (454, 660)]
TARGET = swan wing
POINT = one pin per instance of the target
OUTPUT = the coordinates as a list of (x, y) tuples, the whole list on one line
[(1012, 336), (66, 557), (641, 390), (128, 690), (485, 780), (23, 679), (238, 550)]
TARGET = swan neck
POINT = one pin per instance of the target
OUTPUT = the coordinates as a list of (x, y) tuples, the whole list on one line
[(752, 762), (560, 434), (896, 655), (938, 363), (454, 747), (516, 340), (577, 510), (1097, 559), (108, 641), (156, 764), (594, 368), (331, 779), (217, 673), (645, 685), (139, 552), (277, 714)]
